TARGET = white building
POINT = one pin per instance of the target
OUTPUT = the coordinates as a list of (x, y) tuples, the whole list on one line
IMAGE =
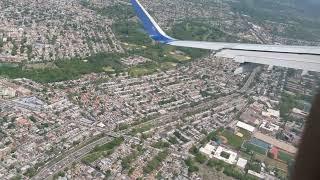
[(101, 125), (267, 127), (245, 126), (7, 91), (258, 175), (271, 113), (299, 113), (208, 150), (242, 163), (232, 155)]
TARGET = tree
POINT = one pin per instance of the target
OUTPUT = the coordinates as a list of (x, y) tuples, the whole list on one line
[(30, 172), (16, 177), (254, 166), (161, 144), (1, 42), (108, 173), (22, 49), (194, 150), (33, 119), (61, 174), (14, 50), (173, 140), (130, 171), (191, 167), (29, 51), (270, 155), (233, 173), (200, 158), (155, 162)]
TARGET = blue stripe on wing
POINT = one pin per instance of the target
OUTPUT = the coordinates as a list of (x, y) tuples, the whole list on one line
[(149, 26)]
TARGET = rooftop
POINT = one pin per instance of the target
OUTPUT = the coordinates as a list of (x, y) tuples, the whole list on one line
[(245, 126)]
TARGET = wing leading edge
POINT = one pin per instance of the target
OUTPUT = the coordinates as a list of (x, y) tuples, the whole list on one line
[(298, 57)]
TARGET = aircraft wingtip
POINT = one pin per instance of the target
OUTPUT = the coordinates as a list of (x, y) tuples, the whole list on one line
[(153, 29)]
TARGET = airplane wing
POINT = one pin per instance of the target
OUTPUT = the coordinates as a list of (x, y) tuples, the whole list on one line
[(297, 57)]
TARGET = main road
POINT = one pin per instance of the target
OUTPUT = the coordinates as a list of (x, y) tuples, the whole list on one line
[(74, 156)]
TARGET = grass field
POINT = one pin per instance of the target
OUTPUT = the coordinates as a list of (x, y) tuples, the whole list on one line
[(285, 156), (140, 71), (246, 134), (133, 46), (167, 65), (108, 69), (49, 65), (233, 140), (179, 57), (255, 148)]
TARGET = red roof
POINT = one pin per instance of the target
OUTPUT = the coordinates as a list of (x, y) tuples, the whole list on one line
[(275, 152), (23, 122)]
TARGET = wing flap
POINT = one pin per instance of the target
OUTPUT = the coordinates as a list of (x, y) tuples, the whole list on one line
[(248, 47), (296, 61)]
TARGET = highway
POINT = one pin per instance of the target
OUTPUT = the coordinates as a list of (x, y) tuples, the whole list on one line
[(48, 171), (250, 79)]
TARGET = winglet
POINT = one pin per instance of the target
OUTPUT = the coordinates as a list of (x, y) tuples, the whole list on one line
[(153, 29)]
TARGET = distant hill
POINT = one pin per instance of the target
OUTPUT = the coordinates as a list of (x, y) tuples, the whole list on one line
[(309, 7)]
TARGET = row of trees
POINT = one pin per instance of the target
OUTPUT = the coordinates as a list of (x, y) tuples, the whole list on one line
[(229, 170), (191, 166), (103, 150), (161, 144), (155, 162)]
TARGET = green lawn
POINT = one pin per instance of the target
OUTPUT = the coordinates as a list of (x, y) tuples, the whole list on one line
[(233, 140), (285, 156), (179, 57), (140, 71), (133, 46), (246, 134), (108, 69), (255, 148), (167, 65)]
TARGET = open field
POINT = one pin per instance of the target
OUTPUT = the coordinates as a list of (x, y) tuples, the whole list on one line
[(140, 71), (108, 69), (285, 156), (233, 140), (255, 148)]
